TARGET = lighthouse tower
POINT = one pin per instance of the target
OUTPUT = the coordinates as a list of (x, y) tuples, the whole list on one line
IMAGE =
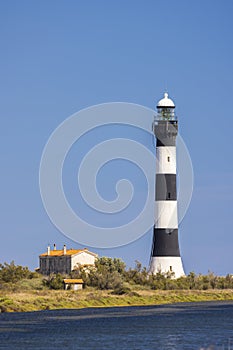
[(165, 255)]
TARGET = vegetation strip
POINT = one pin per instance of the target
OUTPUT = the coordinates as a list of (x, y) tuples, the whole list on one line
[(52, 299), (108, 283)]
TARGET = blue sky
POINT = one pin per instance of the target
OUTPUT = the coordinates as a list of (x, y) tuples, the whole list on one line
[(59, 57)]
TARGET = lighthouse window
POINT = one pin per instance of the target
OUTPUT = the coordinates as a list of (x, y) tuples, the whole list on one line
[(168, 159), (171, 268), (169, 195)]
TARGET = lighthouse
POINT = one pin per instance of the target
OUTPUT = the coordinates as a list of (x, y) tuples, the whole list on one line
[(165, 254)]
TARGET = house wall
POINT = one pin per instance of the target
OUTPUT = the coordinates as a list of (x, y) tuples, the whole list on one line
[(55, 264), (83, 258), (77, 286)]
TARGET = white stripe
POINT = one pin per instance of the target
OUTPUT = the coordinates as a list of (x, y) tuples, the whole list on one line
[(166, 214), (166, 264), (166, 160)]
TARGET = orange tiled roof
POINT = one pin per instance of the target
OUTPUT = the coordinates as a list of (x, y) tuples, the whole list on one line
[(73, 280), (61, 252)]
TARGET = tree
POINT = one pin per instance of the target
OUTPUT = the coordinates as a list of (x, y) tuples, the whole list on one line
[(110, 265), (14, 273), (138, 275), (106, 274)]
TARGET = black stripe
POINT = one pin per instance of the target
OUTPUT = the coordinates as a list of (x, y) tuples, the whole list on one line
[(171, 141), (165, 187), (165, 242), (166, 132)]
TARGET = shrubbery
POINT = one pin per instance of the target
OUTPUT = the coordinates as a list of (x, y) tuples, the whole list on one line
[(54, 281), (14, 273), (106, 274), (111, 274)]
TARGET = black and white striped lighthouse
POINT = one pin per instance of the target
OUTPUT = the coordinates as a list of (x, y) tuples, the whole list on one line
[(165, 255)]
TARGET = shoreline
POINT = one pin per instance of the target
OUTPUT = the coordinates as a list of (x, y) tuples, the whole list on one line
[(27, 301)]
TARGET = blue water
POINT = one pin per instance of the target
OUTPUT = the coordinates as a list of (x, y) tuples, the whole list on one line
[(178, 326)]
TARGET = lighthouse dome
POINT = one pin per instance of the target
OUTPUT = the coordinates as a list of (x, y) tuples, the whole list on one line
[(166, 102)]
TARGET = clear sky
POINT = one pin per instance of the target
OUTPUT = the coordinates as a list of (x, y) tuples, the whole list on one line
[(58, 57)]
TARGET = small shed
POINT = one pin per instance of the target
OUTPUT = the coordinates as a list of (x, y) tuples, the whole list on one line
[(72, 283)]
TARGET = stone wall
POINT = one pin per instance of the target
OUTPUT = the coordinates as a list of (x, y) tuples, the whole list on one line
[(55, 264)]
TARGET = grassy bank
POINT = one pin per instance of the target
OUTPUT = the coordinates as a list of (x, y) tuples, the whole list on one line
[(51, 299)]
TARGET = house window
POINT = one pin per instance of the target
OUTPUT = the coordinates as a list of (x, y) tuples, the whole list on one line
[(168, 159)]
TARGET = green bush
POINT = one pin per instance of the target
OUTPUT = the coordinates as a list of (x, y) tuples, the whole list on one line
[(11, 273), (111, 265), (138, 275), (105, 280), (54, 281), (106, 274), (30, 284), (121, 289)]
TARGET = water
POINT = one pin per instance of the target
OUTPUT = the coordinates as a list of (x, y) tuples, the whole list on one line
[(178, 326)]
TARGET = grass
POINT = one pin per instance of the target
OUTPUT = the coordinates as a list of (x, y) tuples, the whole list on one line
[(32, 295), (33, 300)]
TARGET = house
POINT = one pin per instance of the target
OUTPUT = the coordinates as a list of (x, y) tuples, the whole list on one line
[(72, 283), (65, 260)]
